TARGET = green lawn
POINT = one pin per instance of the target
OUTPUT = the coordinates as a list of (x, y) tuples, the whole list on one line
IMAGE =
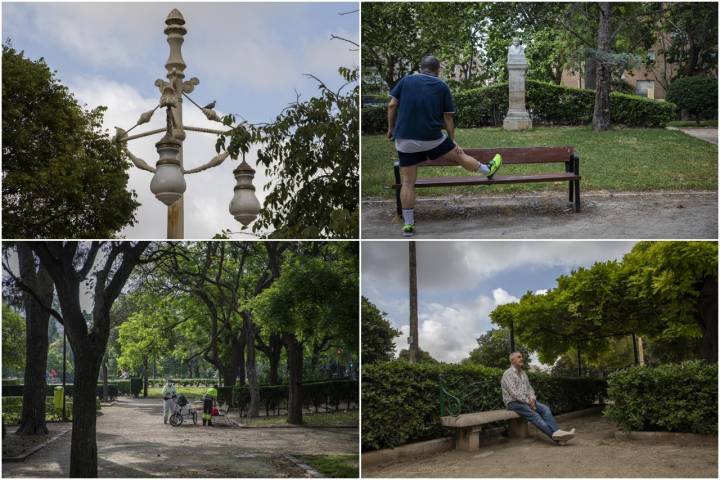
[(333, 466), (693, 123), (312, 420), (194, 392), (631, 159)]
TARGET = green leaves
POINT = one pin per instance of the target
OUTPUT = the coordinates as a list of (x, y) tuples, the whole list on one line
[(378, 336), (679, 397), (13, 339), (62, 175)]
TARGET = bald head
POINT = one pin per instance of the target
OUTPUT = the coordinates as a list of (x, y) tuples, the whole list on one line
[(430, 65)]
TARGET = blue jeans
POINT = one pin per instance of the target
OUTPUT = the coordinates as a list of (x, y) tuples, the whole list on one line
[(541, 417)]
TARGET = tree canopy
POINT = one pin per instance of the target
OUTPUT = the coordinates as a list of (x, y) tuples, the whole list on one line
[(62, 175), (378, 336), (13, 338), (493, 350)]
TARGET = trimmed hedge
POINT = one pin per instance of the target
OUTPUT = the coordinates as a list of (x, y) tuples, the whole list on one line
[(697, 95), (681, 397), (401, 401), (548, 104), (17, 390), (315, 394)]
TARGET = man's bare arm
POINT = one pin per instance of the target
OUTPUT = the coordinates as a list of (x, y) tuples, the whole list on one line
[(391, 115), (449, 125)]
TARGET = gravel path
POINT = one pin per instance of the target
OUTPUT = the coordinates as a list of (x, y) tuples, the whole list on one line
[(619, 215), (593, 453), (134, 442)]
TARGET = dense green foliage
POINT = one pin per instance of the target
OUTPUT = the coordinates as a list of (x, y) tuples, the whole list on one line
[(660, 289), (310, 153), (62, 175), (697, 95), (548, 104), (401, 403), (13, 339), (316, 395), (378, 336), (12, 409), (493, 350), (672, 397)]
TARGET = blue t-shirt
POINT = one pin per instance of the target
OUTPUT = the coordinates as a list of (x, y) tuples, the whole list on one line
[(423, 100)]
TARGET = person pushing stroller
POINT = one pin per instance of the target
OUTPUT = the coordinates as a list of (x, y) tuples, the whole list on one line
[(168, 393), (208, 405)]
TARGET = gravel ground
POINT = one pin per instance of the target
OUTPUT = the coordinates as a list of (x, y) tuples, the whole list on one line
[(134, 442), (593, 453), (618, 215)]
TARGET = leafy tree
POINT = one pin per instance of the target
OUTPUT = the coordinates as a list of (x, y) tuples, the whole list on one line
[(695, 95), (692, 28), (494, 349), (378, 336), (13, 338), (313, 301), (70, 264), (311, 153), (62, 175), (423, 356)]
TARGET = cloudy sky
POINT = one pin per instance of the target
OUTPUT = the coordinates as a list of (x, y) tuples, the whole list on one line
[(250, 57), (460, 283)]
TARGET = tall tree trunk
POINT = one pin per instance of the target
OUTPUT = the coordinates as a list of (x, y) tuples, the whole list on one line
[(251, 366), (295, 369), (601, 113), (106, 392), (709, 320), (83, 450), (414, 347), (32, 421), (145, 376)]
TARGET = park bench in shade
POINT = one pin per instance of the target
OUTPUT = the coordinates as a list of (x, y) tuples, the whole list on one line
[(511, 156), (467, 426)]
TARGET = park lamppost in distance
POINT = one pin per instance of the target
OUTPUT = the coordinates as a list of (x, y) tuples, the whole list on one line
[(168, 182)]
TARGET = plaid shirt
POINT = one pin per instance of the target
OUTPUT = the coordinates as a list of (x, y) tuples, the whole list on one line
[(516, 388)]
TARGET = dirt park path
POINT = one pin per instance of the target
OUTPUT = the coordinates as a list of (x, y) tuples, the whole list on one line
[(134, 442), (671, 215), (593, 453)]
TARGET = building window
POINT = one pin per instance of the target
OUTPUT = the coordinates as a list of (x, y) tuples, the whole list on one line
[(651, 55), (646, 88)]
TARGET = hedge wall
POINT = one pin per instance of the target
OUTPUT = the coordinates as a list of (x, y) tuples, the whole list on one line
[(548, 104), (680, 397), (315, 395), (17, 390), (401, 401)]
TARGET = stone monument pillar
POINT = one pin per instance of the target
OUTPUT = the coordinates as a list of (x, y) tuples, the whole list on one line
[(517, 117)]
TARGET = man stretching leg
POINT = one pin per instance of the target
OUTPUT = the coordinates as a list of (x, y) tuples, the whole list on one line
[(519, 397), (420, 107)]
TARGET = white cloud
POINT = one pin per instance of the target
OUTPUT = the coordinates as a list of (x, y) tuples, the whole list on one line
[(542, 291), (502, 297), (461, 265), (208, 193)]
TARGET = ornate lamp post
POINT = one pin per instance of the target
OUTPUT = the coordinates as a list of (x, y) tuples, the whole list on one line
[(168, 182)]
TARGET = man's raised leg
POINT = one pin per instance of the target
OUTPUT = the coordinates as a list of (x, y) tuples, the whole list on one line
[(524, 410), (458, 155), (547, 415)]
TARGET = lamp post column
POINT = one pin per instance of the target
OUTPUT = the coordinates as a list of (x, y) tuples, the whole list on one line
[(175, 67)]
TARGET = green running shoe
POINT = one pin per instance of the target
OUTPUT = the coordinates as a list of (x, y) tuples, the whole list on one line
[(494, 165), (408, 230)]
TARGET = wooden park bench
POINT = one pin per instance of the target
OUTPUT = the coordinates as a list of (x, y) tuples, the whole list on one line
[(467, 426), (511, 156)]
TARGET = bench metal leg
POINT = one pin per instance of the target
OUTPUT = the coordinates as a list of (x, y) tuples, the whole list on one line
[(570, 190), (467, 439), (577, 195), (518, 428)]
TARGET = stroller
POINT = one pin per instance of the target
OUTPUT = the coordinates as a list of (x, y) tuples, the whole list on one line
[(181, 411)]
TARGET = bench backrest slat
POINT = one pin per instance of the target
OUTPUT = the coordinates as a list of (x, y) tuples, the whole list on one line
[(511, 155)]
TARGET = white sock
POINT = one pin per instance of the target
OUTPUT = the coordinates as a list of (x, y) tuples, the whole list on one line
[(483, 168), (409, 216)]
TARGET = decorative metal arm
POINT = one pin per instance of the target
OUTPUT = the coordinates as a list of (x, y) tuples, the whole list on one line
[(139, 162), (214, 162)]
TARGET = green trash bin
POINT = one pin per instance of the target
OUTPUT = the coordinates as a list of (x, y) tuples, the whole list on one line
[(58, 395)]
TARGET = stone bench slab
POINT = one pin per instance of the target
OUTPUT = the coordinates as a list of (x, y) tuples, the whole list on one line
[(478, 418)]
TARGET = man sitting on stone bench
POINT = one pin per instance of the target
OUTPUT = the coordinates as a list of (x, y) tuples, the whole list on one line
[(519, 397)]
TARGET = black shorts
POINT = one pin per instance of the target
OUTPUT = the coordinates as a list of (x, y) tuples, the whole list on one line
[(410, 159)]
